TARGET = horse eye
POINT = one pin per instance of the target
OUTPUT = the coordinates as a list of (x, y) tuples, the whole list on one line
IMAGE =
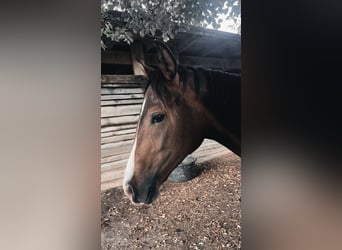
[(157, 118)]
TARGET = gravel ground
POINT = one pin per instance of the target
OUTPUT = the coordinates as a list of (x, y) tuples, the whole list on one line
[(204, 213)]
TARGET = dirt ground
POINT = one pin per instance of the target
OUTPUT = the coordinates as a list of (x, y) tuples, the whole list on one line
[(204, 213)]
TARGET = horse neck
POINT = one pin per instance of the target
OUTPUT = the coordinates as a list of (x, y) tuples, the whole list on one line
[(220, 93)]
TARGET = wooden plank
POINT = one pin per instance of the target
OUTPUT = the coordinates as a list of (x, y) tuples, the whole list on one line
[(121, 97), (114, 158), (113, 166), (209, 149), (205, 62), (116, 148), (212, 156), (116, 151), (209, 145), (110, 175), (137, 54), (210, 62), (117, 138), (120, 110), (205, 152), (118, 132), (121, 102), (207, 141), (121, 85), (112, 184), (120, 120), (120, 91), (116, 145), (122, 79), (117, 128)]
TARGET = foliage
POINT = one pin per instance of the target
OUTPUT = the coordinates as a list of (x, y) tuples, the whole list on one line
[(123, 19)]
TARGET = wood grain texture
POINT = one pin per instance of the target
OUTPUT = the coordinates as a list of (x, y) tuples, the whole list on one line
[(114, 111), (121, 120), (120, 79), (115, 102)]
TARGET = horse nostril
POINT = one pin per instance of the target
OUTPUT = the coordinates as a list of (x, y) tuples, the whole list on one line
[(129, 191)]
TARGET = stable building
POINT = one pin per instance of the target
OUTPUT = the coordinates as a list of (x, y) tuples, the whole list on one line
[(122, 92)]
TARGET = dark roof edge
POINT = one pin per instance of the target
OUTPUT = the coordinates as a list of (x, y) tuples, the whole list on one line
[(210, 32)]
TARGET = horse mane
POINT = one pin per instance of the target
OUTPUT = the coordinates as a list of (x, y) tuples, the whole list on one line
[(218, 83)]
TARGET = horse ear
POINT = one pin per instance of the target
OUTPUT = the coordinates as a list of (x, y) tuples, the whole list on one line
[(147, 70), (166, 60)]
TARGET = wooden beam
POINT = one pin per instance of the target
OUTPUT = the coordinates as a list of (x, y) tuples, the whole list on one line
[(110, 176), (118, 121), (114, 159), (121, 79), (121, 91), (117, 138), (107, 130), (120, 110), (137, 54), (211, 62), (205, 62), (123, 131), (121, 102), (111, 184), (116, 148), (185, 43), (121, 97)]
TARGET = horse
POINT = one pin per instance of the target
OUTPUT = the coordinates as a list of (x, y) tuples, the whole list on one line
[(182, 106)]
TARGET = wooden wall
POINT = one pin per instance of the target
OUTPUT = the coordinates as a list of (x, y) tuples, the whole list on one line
[(124, 58), (121, 100)]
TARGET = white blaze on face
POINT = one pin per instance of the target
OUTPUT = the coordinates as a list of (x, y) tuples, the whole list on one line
[(129, 171), (130, 166)]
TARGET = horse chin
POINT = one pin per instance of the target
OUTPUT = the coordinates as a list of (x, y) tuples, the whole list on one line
[(151, 197)]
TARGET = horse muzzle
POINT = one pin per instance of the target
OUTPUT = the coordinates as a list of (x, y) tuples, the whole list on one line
[(143, 195)]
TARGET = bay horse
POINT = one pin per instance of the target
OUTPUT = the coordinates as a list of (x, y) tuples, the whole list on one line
[(182, 106)]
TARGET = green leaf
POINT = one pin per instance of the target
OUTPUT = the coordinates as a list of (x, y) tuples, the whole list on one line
[(165, 37), (168, 17)]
